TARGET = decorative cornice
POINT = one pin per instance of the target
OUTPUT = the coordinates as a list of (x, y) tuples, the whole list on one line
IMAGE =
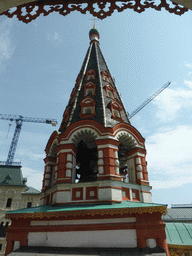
[(82, 213), (31, 11)]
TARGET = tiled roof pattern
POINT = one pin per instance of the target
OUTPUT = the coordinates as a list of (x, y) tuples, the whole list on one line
[(178, 214), (11, 176), (94, 60), (80, 207), (179, 233)]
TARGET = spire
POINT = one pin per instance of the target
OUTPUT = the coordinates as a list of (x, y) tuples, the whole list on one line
[(95, 95)]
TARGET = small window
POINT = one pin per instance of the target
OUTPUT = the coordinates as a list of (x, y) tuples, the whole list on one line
[(29, 204), (0, 247), (110, 94), (91, 76), (9, 201), (89, 92), (87, 111), (134, 195), (105, 78), (116, 113)]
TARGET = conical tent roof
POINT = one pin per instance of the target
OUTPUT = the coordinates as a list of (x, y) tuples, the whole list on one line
[(105, 95)]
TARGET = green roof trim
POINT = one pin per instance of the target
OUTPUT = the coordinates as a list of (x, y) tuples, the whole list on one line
[(83, 207), (179, 233)]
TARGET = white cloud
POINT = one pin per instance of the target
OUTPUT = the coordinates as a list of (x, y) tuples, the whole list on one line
[(169, 156), (188, 65), (170, 101), (30, 154), (6, 45), (34, 177), (173, 182), (188, 83)]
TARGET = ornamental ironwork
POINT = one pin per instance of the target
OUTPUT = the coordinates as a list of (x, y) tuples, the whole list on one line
[(101, 10)]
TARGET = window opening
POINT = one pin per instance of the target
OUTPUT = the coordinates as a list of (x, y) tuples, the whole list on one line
[(3, 229), (87, 157), (89, 92), (123, 162), (105, 78), (116, 113), (9, 201), (91, 76), (29, 204), (87, 111), (110, 94)]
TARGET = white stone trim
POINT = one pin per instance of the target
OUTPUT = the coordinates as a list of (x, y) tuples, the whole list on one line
[(107, 146), (82, 222), (65, 150), (135, 154), (52, 163), (151, 243)]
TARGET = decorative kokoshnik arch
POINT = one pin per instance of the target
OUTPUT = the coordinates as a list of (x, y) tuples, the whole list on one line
[(31, 10)]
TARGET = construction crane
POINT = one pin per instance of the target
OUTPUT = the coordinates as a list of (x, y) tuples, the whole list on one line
[(19, 121), (149, 100)]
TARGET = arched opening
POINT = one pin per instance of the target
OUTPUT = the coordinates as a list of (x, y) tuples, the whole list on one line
[(123, 169), (127, 142), (86, 160)]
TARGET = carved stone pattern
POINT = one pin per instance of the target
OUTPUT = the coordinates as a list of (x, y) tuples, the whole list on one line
[(101, 10)]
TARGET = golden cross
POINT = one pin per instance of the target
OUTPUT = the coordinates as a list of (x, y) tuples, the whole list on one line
[(94, 21)]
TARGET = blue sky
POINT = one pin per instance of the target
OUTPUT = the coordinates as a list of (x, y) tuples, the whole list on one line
[(39, 63)]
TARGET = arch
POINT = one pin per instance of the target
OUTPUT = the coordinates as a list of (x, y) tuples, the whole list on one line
[(52, 152), (127, 128), (84, 133), (52, 138), (127, 140), (11, 192)]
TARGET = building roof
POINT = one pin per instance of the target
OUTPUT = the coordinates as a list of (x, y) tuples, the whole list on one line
[(180, 214), (76, 209), (179, 233), (30, 191), (95, 61), (11, 176)]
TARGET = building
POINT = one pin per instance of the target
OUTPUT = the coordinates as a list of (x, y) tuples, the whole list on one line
[(96, 198), (178, 221), (14, 194)]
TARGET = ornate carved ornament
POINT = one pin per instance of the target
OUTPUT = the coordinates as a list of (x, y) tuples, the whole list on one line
[(101, 10), (83, 213)]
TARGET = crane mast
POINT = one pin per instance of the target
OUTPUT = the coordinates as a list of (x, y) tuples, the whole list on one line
[(19, 121)]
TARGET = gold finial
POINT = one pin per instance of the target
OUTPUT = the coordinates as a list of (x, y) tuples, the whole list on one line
[(94, 22)]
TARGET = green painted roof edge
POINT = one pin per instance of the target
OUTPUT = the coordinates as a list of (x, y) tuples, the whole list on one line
[(82, 207)]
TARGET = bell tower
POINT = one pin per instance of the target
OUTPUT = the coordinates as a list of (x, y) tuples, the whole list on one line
[(97, 155), (96, 197)]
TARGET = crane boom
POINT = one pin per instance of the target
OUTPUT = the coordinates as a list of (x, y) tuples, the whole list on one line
[(27, 119), (19, 121), (149, 100)]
